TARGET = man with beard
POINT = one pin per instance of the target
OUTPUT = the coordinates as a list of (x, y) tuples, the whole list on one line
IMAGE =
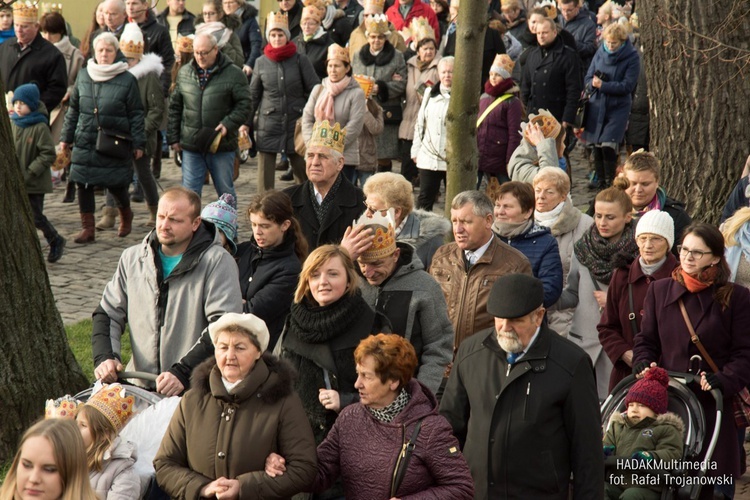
[(522, 401), (167, 289)]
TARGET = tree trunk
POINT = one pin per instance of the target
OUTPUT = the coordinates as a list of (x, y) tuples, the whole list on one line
[(36, 362), (461, 119), (696, 58)]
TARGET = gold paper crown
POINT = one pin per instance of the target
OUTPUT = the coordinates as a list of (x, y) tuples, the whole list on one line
[(62, 160), (25, 12), (504, 4), (185, 44), (314, 8), (277, 21), (367, 83), (382, 226), (51, 7), (504, 62), (548, 123), (421, 29), (112, 402), (377, 24), (64, 407), (375, 6), (131, 41), (549, 6), (337, 52), (327, 136)]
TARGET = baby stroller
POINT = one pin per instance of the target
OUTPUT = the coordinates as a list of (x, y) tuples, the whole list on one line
[(684, 403), (152, 413)]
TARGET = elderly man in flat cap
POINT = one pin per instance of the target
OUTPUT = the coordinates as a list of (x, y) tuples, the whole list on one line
[(522, 400)]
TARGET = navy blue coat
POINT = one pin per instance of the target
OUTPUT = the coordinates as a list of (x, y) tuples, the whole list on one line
[(540, 247), (609, 106)]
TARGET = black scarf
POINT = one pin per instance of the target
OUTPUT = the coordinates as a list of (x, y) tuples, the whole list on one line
[(321, 209), (384, 57), (316, 325)]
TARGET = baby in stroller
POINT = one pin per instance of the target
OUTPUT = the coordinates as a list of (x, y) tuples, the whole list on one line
[(646, 433)]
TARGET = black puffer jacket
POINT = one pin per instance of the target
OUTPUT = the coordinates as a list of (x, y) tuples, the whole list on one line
[(279, 92), (121, 110), (159, 42), (316, 50), (224, 100), (268, 278), (249, 35)]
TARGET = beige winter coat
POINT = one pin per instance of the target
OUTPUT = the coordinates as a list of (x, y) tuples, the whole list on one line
[(416, 78)]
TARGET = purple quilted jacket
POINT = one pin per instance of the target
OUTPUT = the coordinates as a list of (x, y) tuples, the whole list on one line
[(363, 451)]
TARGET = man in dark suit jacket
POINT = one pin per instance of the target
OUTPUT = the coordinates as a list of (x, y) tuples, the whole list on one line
[(327, 204), (551, 77)]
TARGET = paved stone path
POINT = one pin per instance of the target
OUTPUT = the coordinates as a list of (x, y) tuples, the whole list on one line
[(79, 278)]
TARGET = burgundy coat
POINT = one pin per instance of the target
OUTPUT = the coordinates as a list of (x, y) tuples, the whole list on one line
[(615, 329), (664, 338), (363, 451), (498, 135)]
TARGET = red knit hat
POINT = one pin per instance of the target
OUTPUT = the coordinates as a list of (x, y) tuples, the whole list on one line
[(651, 390)]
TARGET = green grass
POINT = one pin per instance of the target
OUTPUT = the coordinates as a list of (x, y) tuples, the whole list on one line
[(79, 338)]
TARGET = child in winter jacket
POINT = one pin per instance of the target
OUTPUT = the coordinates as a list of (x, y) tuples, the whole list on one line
[(110, 459), (644, 434), (35, 152)]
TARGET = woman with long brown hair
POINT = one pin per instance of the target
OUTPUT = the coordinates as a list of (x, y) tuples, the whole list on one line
[(270, 263)]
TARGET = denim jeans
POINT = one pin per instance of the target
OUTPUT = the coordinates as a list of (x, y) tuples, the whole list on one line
[(221, 166), (361, 177)]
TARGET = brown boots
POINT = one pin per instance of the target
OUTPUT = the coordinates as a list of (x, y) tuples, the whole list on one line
[(88, 231), (126, 222)]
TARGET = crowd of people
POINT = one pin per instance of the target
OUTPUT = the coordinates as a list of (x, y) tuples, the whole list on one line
[(346, 350)]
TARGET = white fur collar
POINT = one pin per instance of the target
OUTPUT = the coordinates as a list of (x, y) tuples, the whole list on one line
[(149, 63)]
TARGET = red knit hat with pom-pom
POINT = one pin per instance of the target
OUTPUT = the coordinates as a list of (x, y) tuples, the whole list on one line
[(651, 390)]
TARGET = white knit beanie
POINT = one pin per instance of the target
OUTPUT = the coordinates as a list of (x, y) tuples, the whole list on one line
[(658, 223)]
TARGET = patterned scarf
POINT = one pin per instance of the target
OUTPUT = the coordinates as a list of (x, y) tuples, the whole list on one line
[(698, 283), (324, 106), (321, 210), (597, 253), (387, 414)]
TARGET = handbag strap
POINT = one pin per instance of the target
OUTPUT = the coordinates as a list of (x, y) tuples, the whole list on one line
[(492, 106), (631, 316), (96, 104), (403, 459), (695, 339)]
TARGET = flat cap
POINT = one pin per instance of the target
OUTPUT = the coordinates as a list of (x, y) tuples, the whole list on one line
[(515, 295)]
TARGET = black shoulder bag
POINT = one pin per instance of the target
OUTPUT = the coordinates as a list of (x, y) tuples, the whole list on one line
[(110, 142), (402, 463)]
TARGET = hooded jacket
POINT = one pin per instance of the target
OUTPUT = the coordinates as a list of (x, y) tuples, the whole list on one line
[(249, 34), (147, 72), (363, 452), (225, 99), (498, 135), (118, 479), (413, 302), (349, 108), (166, 315), (466, 290), (35, 152), (426, 232), (216, 434)]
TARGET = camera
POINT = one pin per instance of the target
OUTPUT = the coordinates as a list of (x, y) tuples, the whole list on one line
[(601, 76)]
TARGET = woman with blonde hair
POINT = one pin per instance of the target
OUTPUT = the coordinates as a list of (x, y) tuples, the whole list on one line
[(50, 464), (736, 232), (328, 319)]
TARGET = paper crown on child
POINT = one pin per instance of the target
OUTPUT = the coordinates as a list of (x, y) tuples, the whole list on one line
[(337, 52), (367, 83), (328, 136), (651, 390), (420, 29), (503, 65), (131, 41), (549, 7), (278, 21), (47, 8), (112, 402), (64, 407), (383, 227), (377, 25), (25, 12), (223, 214), (377, 6), (185, 44), (548, 123)]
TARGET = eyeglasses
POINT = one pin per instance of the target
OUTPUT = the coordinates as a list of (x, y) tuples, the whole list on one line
[(697, 254), (650, 239), (210, 14), (371, 211), (203, 54)]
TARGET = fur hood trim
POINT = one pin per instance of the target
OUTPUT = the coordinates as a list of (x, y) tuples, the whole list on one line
[(668, 418), (149, 63), (270, 391)]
